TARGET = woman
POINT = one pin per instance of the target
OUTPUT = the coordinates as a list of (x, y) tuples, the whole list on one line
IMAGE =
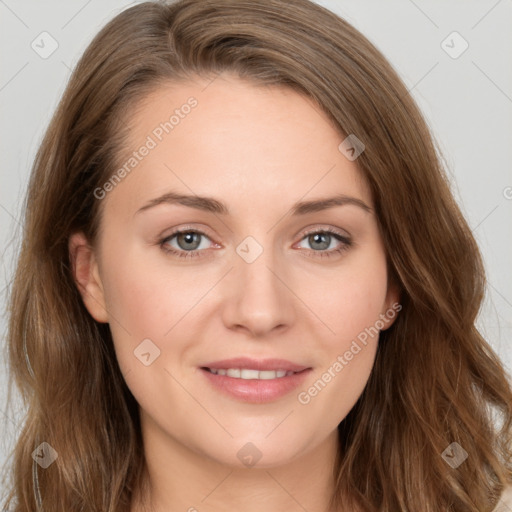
[(315, 347)]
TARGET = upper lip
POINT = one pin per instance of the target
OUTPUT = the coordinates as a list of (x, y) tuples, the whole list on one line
[(256, 364)]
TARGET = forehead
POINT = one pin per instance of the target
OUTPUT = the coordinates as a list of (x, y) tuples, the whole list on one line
[(235, 140)]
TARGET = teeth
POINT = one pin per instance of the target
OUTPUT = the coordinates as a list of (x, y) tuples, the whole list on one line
[(247, 374)]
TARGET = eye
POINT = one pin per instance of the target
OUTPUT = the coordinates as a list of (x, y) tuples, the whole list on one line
[(188, 243), (320, 240)]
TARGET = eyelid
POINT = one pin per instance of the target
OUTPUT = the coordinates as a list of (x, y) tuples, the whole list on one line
[(313, 228), (186, 228), (329, 229)]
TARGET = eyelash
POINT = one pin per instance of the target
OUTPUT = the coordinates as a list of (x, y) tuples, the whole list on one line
[(346, 243)]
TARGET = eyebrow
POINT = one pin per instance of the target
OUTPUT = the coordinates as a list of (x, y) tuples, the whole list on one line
[(211, 205)]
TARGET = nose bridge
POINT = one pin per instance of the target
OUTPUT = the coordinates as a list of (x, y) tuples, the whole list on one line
[(260, 301)]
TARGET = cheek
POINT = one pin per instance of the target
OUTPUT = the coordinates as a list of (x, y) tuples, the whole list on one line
[(358, 298), (352, 299), (353, 313), (143, 301)]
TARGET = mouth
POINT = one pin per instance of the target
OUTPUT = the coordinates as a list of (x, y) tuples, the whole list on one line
[(249, 373), (255, 381)]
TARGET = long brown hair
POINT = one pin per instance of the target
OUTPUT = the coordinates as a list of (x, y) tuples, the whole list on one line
[(435, 381)]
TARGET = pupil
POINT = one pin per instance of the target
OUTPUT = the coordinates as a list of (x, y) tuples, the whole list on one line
[(188, 238), (317, 238)]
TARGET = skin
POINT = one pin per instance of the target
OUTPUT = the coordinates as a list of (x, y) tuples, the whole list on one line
[(258, 150)]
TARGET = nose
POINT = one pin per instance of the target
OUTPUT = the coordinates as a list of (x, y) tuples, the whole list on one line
[(259, 299)]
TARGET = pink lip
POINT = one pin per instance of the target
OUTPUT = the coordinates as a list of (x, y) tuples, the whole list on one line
[(256, 364), (256, 390)]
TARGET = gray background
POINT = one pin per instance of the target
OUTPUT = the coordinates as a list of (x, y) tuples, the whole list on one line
[(467, 102)]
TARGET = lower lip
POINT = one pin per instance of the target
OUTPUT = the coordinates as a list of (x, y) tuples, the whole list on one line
[(256, 390)]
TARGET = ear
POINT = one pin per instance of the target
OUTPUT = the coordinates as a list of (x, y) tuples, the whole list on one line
[(392, 305), (86, 275)]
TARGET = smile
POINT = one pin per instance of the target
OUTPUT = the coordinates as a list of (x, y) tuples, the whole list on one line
[(254, 386), (248, 374)]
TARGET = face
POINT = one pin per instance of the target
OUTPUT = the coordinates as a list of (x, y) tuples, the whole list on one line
[(218, 244)]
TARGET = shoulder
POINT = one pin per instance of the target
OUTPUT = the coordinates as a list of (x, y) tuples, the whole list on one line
[(505, 502)]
